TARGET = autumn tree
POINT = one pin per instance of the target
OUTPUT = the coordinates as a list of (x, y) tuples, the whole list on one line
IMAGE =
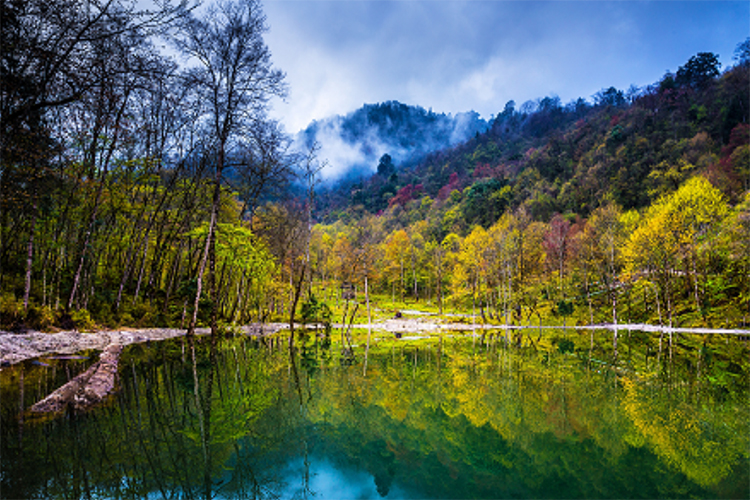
[(586, 256), (608, 231), (283, 227), (556, 244), (532, 266), (673, 236), (472, 262), (416, 254), (505, 251), (736, 241), (436, 264), (395, 256)]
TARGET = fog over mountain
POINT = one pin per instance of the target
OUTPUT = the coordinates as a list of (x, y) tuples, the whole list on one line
[(353, 144)]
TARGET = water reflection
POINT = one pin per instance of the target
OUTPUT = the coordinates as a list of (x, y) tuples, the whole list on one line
[(561, 415)]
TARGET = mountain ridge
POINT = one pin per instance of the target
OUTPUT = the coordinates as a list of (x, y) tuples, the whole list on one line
[(552, 158)]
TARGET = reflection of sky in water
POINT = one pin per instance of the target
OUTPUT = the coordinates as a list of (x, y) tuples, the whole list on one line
[(328, 481)]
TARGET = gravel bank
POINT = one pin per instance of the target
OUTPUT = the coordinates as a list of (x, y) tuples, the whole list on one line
[(18, 347)]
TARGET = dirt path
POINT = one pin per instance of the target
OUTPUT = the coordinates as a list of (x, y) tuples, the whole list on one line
[(15, 348), (18, 347)]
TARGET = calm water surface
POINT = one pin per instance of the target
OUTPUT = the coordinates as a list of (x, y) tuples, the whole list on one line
[(564, 415)]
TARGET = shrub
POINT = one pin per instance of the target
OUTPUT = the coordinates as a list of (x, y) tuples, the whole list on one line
[(11, 310), (40, 318), (82, 320)]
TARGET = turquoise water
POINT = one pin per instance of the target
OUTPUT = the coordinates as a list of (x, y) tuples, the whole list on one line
[(465, 417)]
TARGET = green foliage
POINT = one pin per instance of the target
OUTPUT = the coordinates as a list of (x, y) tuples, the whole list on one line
[(105, 219), (11, 310), (485, 202), (564, 308), (83, 321), (742, 52), (385, 166), (610, 97), (699, 71), (40, 318), (317, 312)]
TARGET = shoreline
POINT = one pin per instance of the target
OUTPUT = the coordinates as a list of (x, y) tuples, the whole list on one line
[(17, 347)]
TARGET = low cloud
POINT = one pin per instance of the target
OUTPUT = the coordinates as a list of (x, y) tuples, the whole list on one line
[(353, 144), (341, 156)]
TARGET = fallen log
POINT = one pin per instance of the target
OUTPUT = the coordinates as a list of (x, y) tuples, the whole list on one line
[(86, 389)]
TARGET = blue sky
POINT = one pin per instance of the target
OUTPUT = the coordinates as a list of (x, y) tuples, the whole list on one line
[(455, 56)]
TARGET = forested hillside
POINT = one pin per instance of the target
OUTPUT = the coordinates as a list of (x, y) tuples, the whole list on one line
[(631, 208), (135, 188), (554, 158)]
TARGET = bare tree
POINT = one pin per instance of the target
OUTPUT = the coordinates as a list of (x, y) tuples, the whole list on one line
[(80, 63), (230, 71), (263, 165)]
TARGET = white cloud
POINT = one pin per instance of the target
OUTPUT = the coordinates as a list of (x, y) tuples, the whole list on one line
[(339, 155), (455, 56)]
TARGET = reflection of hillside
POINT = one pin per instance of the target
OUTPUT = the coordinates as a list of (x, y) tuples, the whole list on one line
[(703, 443), (463, 419), (526, 420)]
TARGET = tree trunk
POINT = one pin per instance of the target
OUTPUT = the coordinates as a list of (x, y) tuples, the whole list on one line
[(212, 250), (199, 279), (473, 306), (402, 281), (414, 276), (293, 305), (86, 389), (142, 270), (84, 251), (695, 285), (369, 325), (29, 260)]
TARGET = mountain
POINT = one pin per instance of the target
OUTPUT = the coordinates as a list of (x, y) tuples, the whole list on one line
[(352, 145), (546, 158)]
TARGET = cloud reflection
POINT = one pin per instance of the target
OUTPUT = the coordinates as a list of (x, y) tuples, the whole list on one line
[(329, 481)]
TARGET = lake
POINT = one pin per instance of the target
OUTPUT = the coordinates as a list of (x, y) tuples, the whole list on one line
[(552, 414)]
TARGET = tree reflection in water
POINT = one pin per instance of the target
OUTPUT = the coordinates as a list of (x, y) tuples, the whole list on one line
[(556, 417)]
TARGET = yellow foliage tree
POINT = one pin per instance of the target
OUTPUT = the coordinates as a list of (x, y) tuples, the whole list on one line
[(395, 253), (672, 236), (472, 260), (505, 254)]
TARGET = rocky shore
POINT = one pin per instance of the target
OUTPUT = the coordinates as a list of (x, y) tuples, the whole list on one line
[(16, 347)]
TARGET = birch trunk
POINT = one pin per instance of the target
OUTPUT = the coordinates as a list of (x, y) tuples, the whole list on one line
[(29, 260)]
